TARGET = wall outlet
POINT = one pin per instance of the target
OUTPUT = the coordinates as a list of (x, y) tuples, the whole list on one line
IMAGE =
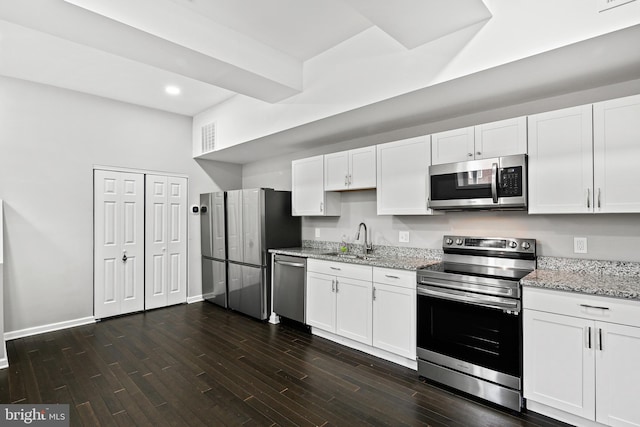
[(579, 245), (403, 237), (317, 232)]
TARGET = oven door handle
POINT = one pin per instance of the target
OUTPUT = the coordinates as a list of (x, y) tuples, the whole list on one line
[(475, 300)]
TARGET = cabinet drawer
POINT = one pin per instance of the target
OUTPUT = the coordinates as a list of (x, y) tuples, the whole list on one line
[(594, 307), (340, 269), (390, 276)]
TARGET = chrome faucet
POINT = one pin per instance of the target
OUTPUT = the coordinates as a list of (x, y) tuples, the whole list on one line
[(366, 246)]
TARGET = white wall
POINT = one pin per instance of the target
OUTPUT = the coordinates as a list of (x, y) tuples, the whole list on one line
[(371, 66), (610, 236), (50, 139)]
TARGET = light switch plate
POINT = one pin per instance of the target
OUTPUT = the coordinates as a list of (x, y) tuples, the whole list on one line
[(317, 232), (580, 245), (403, 237)]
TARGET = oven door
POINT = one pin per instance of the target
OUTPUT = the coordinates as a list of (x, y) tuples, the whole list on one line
[(471, 333)]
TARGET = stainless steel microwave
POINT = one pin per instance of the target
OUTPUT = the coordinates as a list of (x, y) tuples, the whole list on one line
[(496, 183)]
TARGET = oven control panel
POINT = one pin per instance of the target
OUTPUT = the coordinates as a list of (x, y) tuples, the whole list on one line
[(503, 244)]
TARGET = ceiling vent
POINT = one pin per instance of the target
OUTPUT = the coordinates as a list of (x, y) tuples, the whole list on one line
[(209, 137)]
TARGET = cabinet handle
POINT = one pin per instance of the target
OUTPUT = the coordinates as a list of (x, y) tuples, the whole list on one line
[(349, 179), (374, 293), (600, 338), (346, 180), (333, 286), (321, 206), (391, 277), (336, 286), (587, 339), (334, 268), (588, 198), (594, 306), (598, 197)]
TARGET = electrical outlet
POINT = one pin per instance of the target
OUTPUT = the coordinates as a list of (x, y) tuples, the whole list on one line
[(317, 232), (579, 245), (403, 237)]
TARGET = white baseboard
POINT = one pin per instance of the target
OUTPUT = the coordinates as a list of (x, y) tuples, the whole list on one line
[(8, 336), (197, 298)]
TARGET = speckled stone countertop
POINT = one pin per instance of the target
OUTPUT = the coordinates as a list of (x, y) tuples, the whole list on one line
[(381, 256), (604, 278)]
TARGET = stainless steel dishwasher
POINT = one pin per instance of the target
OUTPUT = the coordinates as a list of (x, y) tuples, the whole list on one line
[(289, 290)]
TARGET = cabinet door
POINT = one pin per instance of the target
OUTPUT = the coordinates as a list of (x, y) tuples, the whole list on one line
[(353, 309), (616, 126), (362, 168), (559, 362), (617, 374), (336, 171), (452, 146), (394, 319), (307, 185), (403, 177), (321, 301), (561, 161), (502, 138)]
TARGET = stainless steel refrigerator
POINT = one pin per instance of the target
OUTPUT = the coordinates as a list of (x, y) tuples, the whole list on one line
[(256, 220)]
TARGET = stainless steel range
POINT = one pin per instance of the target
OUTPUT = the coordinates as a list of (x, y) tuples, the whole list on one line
[(469, 331)]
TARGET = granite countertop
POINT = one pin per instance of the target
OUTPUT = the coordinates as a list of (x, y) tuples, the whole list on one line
[(397, 261), (627, 287)]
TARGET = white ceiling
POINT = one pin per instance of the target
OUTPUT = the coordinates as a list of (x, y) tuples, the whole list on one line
[(129, 50)]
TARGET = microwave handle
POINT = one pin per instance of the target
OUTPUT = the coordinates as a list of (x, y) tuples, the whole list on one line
[(494, 182)]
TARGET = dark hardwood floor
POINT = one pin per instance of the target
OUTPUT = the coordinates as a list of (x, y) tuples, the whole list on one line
[(201, 365)]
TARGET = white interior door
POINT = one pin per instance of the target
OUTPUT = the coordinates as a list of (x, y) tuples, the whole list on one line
[(119, 243), (166, 246), (177, 240)]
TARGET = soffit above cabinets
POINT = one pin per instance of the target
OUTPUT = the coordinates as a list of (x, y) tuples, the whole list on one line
[(130, 50)]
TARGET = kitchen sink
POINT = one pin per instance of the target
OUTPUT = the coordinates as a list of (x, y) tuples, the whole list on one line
[(352, 256)]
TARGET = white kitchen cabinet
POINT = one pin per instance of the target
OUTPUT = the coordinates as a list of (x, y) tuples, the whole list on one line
[(580, 357), (561, 161), (455, 145), (307, 185), (403, 177), (501, 138), (616, 147), (350, 170), (339, 299), (488, 140), (394, 311), (583, 159)]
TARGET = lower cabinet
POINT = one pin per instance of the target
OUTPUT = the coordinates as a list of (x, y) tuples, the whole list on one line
[(368, 305), (339, 299), (581, 357), (394, 311)]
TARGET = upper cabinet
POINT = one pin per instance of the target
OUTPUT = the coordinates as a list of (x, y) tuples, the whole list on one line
[(581, 158), (403, 177), (350, 170), (307, 189), (452, 146), (561, 161), (616, 150), (501, 138)]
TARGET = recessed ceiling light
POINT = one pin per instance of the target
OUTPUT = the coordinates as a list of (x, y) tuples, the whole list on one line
[(172, 90)]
